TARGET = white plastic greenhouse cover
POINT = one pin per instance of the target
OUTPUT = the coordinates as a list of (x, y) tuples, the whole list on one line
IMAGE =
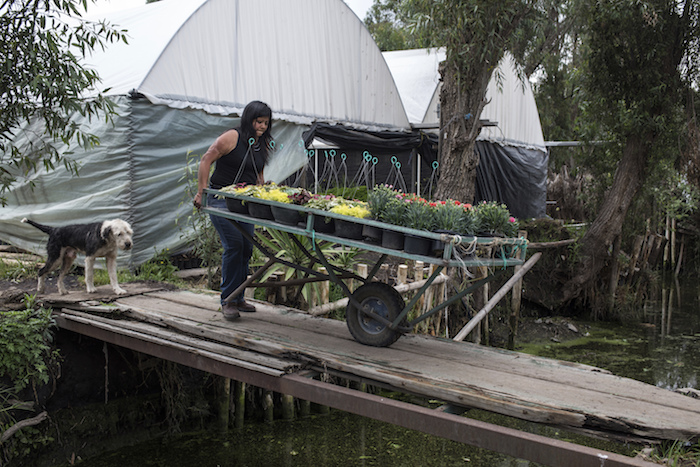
[(308, 59), (512, 107)]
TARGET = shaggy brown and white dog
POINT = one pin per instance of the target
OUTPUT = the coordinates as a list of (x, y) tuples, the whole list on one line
[(95, 240)]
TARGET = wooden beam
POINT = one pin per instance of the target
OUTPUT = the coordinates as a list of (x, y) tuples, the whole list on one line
[(497, 298)]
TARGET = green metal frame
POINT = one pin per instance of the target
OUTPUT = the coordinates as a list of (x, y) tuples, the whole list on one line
[(335, 274)]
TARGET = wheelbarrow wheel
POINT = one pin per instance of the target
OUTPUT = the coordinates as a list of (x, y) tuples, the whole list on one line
[(383, 300)]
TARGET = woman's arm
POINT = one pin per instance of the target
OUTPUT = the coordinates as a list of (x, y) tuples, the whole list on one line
[(222, 146)]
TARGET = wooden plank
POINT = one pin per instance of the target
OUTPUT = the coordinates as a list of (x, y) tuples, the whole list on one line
[(465, 374), (119, 328)]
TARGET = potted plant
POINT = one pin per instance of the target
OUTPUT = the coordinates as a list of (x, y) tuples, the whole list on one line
[(493, 219), (347, 228), (239, 189), (377, 200), (394, 213), (419, 215), (323, 203)]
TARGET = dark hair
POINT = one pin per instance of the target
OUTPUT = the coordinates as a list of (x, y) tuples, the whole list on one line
[(252, 111)]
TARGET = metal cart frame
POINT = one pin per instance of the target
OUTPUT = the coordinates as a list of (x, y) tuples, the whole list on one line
[(376, 313)]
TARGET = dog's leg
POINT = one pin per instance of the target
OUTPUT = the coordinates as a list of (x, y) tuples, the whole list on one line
[(67, 256), (55, 255), (89, 274), (112, 271)]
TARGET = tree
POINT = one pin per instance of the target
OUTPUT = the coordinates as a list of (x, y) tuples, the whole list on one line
[(641, 58), (475, 34), (43, 79)]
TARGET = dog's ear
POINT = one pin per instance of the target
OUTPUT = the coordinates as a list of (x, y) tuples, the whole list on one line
[(106, 232)]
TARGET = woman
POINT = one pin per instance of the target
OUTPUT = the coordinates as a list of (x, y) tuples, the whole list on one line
[(237, 161)]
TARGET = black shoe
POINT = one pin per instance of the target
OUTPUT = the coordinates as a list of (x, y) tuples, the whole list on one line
[(230, 312), (245, 307)]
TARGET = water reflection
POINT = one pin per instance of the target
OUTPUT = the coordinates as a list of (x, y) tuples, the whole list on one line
[(338, 439), (673, 321)]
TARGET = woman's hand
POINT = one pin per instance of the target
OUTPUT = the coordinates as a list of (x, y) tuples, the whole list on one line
[(197, 200)]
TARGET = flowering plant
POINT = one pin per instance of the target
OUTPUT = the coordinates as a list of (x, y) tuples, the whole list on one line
[(495, 219), (323, 202), (352, 208), (394, 211), (242, 189), (300, 197), (448, 215), (419, 214), (274, 194)]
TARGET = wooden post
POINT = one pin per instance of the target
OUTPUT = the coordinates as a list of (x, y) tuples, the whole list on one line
[(418, 270), (239, 398), (304, 408), (224, 403), (323, 289), (516, 299), (402, 274), (268, 406), (287, 407)]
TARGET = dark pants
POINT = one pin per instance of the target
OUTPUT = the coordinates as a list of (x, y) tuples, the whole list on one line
[(237, 251)]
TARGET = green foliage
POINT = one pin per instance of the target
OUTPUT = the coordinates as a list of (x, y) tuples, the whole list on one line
[(205, 242), (358, 193), (418, 214), (16, 271), (285, 248), (25, 351), (159, 268), (495, 219), (41, 49)]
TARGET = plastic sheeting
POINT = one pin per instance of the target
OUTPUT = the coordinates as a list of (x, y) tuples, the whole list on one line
[(310, 60), (515, 176), (135, 174)]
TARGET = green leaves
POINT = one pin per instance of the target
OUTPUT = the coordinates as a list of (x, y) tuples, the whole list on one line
[(43, 80), (25, 345)]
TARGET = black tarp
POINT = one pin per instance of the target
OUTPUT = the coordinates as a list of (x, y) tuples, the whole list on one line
[(514, 176)]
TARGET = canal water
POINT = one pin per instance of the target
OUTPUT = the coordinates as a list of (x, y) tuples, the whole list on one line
[(659, 345)]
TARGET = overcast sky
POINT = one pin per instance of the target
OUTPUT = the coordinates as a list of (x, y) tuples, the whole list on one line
[(360, 7)]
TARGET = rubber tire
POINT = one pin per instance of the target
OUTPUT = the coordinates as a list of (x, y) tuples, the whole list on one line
[(387, 302)]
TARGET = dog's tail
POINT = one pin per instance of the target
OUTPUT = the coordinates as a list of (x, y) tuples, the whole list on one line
[(44, 228)]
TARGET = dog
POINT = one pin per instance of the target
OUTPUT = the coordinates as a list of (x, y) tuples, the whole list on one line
[(95, 240)]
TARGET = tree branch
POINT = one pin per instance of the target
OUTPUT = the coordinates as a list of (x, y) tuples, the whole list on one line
[(23, 424)]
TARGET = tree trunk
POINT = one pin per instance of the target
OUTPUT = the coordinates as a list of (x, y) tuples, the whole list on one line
[(596, 243), (460, 108)]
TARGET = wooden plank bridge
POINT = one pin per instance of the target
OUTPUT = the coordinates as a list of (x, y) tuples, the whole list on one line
[(285, 350)]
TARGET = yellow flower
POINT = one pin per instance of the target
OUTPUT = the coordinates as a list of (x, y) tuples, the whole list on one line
[(275, 195), (352, 210)]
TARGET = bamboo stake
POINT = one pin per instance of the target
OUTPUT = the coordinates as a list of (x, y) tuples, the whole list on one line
[(680, 255), (497, 297)]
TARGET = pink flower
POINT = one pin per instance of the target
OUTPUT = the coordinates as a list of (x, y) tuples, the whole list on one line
[(511, 220)]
